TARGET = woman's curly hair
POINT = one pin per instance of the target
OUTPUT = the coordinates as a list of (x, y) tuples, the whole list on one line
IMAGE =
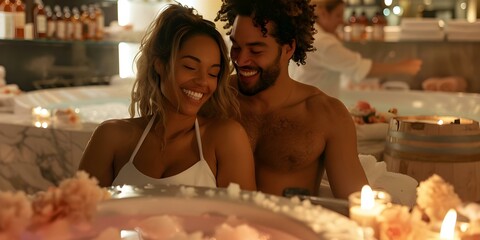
[(293, 20)]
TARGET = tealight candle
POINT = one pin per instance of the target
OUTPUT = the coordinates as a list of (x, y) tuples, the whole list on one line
[(41, 117), (367, 205)]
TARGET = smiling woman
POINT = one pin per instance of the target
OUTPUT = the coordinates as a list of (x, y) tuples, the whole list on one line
[(183, 133)]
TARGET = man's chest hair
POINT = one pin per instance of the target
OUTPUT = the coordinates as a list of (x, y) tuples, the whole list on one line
[(282, 142)]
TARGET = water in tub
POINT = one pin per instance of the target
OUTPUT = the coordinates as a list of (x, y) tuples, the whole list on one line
[(415, 103), (95, 103)]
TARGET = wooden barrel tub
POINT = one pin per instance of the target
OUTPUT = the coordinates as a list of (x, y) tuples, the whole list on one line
[(421, 146)]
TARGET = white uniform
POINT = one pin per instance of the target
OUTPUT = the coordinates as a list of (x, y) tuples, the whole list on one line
[(325, 65)]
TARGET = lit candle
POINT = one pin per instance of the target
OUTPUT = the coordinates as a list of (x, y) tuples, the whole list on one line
[(371, 205), (447, 232), (41, 117)]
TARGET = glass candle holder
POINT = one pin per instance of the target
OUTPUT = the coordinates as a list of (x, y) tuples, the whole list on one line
[(41, 117), (366, 217)]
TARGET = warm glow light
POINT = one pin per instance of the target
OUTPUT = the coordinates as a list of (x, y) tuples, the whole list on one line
[(128, 234), (417, 104), (126, 59), (41, 112), (447, 232), (388, 2), (386, 12), (440, 122), (397, 10), (124, 16), (39, 124), (36, 110), (367, 200), (464, 227)]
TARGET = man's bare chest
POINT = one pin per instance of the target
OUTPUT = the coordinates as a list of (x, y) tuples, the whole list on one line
[(284, 142)]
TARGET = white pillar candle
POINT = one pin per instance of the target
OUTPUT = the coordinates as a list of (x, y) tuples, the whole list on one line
[(367, 205)]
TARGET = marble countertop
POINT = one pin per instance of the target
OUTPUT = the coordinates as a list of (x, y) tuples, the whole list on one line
[(33, 159)]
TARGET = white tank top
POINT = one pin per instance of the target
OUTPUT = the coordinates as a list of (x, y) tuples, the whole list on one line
[(199, 174)]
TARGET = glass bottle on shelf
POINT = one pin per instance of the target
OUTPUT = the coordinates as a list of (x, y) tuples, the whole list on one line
[(77, 24), (355, 26), (92, 27), (67, 16), (363, 22), (60, 26), (51, 23), (7, 9), (19, 19), (39, 20), (100, 22), (85, 19), (378, 27)]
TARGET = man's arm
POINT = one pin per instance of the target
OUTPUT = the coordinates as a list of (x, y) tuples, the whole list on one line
[(344, 170)]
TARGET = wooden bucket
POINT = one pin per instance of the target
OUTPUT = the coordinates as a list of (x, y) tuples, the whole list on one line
[(420, 146)]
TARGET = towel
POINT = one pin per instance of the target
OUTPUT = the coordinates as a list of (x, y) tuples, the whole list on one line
[(374, 131), (371, 139), (7, 95), (401, 187)]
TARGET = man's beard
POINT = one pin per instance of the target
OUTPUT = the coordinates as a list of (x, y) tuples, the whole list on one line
[(268, 77)]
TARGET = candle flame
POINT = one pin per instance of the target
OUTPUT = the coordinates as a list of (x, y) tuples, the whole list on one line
[(367, 200), (448, 225), (36, 110), (440, 122)]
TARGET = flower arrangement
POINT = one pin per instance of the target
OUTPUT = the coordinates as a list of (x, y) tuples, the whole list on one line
[(67, 116), (364, 113), (434, 198), (50, 212)]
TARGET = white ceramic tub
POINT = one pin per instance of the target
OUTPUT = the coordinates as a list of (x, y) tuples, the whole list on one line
[(95, 103), (412, 103), (98, 103)]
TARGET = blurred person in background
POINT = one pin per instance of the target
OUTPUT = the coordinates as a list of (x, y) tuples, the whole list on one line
[(331, 59)]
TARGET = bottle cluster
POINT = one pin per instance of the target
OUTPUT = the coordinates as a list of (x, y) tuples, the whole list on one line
[(57, 22), (359, 24)]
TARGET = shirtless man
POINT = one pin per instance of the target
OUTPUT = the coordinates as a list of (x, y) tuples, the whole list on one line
[(296, 130)]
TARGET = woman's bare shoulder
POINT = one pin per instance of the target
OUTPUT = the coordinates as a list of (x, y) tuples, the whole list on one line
[(120, 128)]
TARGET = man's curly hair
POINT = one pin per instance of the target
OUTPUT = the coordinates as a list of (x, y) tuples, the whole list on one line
[(293, 20)]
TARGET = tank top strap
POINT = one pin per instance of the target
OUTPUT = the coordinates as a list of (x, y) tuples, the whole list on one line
[(199, 139), (142, 138)]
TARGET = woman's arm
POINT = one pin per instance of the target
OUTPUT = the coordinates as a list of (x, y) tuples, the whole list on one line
[(234, 156), (407, 67), (98, 157)]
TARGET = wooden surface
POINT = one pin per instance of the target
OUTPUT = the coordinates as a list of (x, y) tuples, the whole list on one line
[(419, 147)]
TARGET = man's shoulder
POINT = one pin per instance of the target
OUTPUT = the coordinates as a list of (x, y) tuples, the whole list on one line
[(222, 124), (314, 97), (320, 104)]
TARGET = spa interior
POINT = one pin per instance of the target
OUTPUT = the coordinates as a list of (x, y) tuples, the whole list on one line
[(56, 88)]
